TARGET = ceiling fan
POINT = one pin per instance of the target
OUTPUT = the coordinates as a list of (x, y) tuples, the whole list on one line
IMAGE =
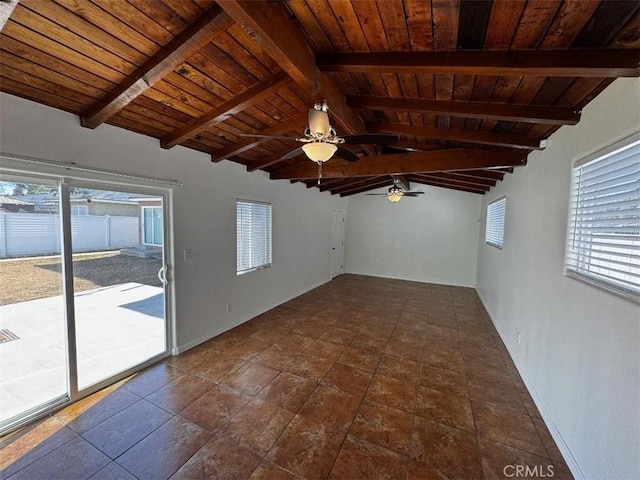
[(321, 141), (396, 193)]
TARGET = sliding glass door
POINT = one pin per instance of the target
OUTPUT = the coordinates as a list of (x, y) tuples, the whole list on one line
[(84, 299), (33, 357)]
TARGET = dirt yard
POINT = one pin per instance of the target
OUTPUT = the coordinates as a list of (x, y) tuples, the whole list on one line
[(29, 279)]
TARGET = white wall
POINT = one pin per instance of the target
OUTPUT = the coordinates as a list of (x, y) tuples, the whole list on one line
[(432, 238), (580, 348), (204, 215)]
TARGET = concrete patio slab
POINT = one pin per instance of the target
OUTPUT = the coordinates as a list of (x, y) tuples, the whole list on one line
[(117, 327)]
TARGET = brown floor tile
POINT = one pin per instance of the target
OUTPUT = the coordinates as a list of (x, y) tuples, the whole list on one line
[(331, 406), (270, 471), (338, 335), (219, 459), (508, 427), (324, 349), (499, 462), (421, 471), (274, 357), (528, 402), (251, 378), (498, 394), (268, 335), (445, 408), (404, 350), (294, 342), (385, 426), (152, 378), (446, 381), (306, 366), (479, 372), (409, 336), (216, 369), (96, 408), (547, 440), (179, 394), (361, 460), (360, 359), (117, 434), (398, 367), (34, 442), (392, 392), (215, 408), (288, 391), (257, 426), (190, 360), (369, 343), (75, 459), (348, 379), (450, 450), (164, 451), (446, 360), (307, 448), (247, 348), (112, 471)]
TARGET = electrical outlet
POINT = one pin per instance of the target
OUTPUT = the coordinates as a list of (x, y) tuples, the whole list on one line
[(519, 338), (228, 308), (188, 253)]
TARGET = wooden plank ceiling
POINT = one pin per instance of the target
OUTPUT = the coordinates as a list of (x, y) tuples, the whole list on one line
[(470, 86)]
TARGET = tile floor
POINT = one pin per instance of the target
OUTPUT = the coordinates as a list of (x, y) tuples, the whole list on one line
[(362, 378)]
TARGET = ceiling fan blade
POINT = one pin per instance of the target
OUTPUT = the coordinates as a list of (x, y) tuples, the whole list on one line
[(292, 154), (278, 137), (346, 154), (412, 194), (377, 138)]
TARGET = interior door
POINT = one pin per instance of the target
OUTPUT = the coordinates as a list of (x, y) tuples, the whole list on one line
[(337, 243)]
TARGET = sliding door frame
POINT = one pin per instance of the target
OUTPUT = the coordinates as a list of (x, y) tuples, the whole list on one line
[(41, 174)]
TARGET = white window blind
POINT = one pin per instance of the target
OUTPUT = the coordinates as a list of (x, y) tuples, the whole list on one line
[(603, 241), (253, 235), (494, 234)]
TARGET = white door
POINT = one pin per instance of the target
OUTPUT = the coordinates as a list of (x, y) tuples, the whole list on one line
[(337, 243)]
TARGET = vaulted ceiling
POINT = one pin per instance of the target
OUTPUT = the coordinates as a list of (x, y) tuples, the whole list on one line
[(470, 86)]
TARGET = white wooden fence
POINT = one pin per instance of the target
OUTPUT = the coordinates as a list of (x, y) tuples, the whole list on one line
[(25, 234)]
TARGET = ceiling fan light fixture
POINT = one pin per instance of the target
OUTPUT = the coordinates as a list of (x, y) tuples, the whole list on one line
[(394, 195), (319, 151)]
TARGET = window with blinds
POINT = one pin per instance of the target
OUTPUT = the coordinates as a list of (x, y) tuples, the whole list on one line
[(603, 241), (253, 229), (494, 233)]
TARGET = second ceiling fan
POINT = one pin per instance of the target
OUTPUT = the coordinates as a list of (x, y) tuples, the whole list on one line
[(321, 141)]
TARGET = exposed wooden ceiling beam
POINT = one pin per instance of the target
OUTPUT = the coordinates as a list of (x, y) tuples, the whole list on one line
[(444, 184), (270, 25), (357, 182), (193, 38), (461, 178), (457, 135), (269, 161), (247, 143), (365, 188), (541, 63), (403, 181), (412, 146), (444, 178), (492, 175), (6, 7), (405, 163), (491, 111), (331, 183), (228, 109)]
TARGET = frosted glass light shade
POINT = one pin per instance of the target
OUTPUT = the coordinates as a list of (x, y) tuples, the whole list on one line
[(394, 196), (319, 151)]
